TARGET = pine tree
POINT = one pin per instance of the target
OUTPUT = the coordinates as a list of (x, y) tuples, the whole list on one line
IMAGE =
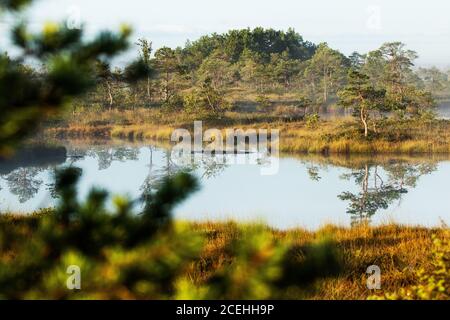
[(362, 96)]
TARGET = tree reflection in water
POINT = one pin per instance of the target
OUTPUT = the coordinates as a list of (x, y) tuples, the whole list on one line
[(156, 175), (22, 171), (210, 166), (380, 182), (378, 191), (24, 183), (107, 155)]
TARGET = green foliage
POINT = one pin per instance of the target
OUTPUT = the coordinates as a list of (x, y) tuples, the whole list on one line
[(312, 120), (377, 193), (362, 96), (124, 255), (326, 70), (390, 68), (265, 268), (283, 69), (13, 5), (357, 60), (263, 61), (206, 102), (419, 102), (260, 41), (136, 70), (216, 69), (258, 58), (121, 254), (263, 102), (174, 103), (303, 102), (145, 47), (26, 100)]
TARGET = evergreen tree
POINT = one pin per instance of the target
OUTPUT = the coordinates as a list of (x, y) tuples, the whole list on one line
[(362, 96)]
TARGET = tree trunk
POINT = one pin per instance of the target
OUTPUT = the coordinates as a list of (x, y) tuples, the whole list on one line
[(365, 185), (364, 121), (111, 100), (149, 95), (325, 85), (166, 89)]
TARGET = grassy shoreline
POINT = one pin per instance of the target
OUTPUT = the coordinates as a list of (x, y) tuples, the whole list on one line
[(339, 136), (400, 251)]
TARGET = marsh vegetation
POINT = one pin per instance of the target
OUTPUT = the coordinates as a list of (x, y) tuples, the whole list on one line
[(131, 247)]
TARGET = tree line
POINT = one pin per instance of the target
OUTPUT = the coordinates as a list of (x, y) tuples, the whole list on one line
[(134, 245), (199, 77)]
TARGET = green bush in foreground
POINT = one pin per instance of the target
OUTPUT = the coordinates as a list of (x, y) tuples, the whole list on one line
[(124, 255), (119, 254), (29, 97)]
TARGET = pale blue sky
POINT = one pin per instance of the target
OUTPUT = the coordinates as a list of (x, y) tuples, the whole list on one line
[(347, 25)]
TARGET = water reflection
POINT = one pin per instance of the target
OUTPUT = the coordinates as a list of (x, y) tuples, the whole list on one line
[(377, 192), (22, 171), (24, 183), (380, 182), (308, 191)]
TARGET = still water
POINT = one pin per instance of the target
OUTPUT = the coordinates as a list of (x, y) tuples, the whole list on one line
[(306, 191)]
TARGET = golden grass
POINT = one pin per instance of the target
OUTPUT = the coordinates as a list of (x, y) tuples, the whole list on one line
[(142, 132), (398, 250), (341, 136)]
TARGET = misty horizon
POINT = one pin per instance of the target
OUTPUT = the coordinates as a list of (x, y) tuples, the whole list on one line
[(359, 26)]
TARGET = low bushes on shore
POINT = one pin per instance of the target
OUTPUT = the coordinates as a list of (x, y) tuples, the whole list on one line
[(340, 136)]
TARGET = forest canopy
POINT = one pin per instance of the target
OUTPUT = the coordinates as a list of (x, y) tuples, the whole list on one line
[(221, 72), (255, 70)]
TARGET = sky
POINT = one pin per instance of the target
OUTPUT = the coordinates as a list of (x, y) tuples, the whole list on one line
[(346, 25)]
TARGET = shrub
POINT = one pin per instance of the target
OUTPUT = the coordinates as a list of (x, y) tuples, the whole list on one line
[(312, 120), (122, 255), (206, 102), (263, 103), (173, 103)]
